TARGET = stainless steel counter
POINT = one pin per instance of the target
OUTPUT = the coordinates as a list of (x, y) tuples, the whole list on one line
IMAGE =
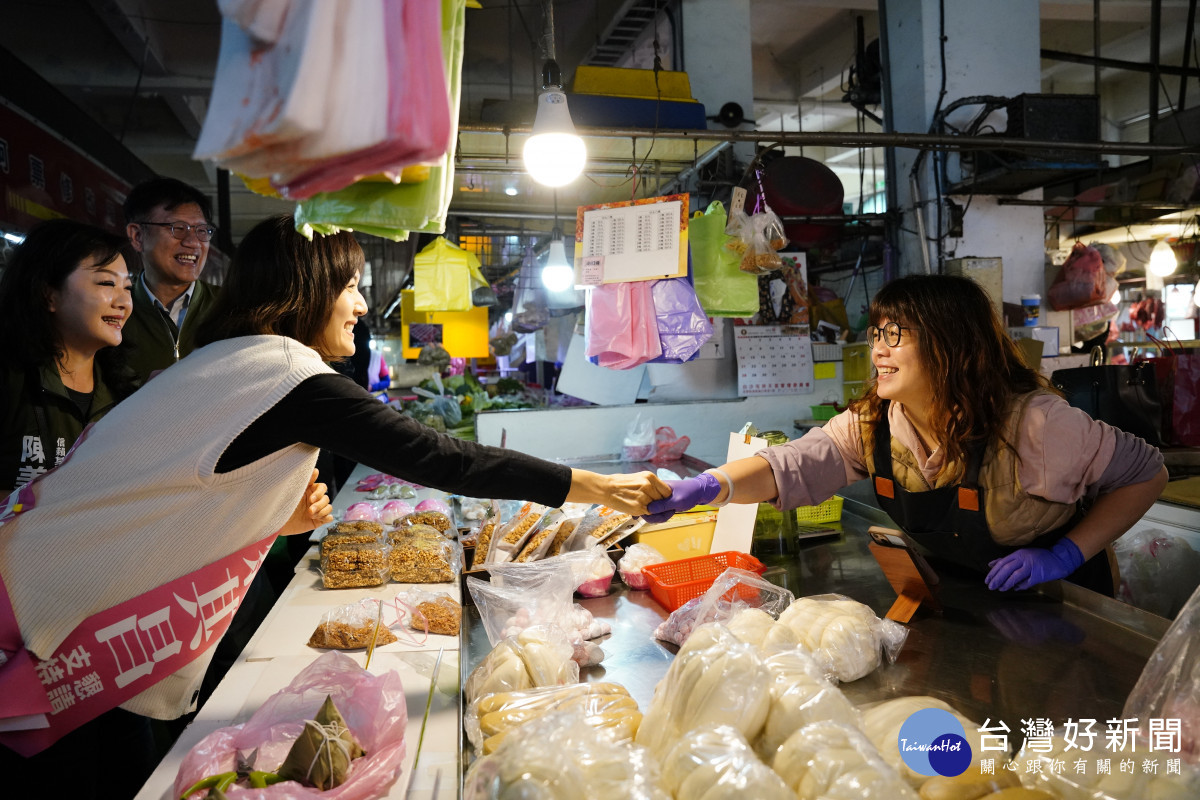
[(1058, 653)]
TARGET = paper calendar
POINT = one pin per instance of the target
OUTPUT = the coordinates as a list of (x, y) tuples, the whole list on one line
[(773, 359)]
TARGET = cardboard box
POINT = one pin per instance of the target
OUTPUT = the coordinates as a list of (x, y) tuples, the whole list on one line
[(1047, 335)]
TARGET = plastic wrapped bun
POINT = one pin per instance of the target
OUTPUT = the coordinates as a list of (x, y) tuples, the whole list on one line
[(881, 723), (800, 695), (1090, 784), (831, 761), (733, 590), (717, 763), (559, 757), (843, 635), (714, 680), (363, 511), (537, 656), (394, 510)]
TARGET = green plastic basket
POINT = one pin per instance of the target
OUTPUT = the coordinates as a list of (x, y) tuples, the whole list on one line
[(829, 511)]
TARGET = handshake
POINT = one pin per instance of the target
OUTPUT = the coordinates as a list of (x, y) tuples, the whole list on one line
[(688, 493)]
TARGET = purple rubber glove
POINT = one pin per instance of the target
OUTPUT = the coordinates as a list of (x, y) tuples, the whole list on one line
[(685, 494), (1030, 566)]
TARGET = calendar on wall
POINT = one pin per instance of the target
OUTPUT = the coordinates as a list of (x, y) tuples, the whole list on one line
[(773, 359)]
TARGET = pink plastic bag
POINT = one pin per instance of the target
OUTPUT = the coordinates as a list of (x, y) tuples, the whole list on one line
[(621, 326), (668, 446), (372, 705)]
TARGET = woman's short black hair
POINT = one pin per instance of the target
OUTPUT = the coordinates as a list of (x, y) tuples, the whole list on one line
[(281, 283), (52, 250)]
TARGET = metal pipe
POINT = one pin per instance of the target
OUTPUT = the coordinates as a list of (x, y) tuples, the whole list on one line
[(916, 141), (1155, 58), (1051, 203), (1132, 66), (548, 215), (1187, 53), (1096, 46)]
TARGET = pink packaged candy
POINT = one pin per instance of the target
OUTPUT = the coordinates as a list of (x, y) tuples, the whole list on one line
[(434, 505), (394, 510), (363, 511)]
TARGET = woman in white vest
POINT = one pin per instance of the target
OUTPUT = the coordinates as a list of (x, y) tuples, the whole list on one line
[(180, 490)]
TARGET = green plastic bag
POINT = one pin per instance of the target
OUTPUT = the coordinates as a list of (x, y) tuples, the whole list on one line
[(722, 288)]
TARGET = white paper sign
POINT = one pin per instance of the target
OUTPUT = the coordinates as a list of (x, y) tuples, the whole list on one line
[(735, 521), (638, 242), (593, 271)]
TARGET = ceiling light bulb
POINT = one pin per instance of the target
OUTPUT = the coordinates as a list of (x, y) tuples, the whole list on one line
[(1116, 298), (1162, 259), (557, 275), (511, 191), (554, 155)]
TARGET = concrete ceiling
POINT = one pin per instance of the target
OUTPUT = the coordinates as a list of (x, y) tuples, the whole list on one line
[(142, 70)]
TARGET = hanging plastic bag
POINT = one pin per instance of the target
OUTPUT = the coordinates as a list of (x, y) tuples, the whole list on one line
[(1081, 280), (683, 327), (764, 237), (620, 326), (722, 289), (529, 309), (442, 277), (638, 444)]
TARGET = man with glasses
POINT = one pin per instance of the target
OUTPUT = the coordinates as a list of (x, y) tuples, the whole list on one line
[(169, 223)]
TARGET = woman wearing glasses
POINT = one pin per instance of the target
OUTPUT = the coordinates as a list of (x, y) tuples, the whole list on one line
[(170, 224), (969, 450), (64, 300), (180, 490)]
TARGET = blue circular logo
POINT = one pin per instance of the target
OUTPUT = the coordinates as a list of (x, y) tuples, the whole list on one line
[(933, 742)]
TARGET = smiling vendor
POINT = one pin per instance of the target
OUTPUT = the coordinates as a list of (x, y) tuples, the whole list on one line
[(970, 451), (170, 224)]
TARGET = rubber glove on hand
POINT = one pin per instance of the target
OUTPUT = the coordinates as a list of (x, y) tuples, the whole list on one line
[(685, 494), (1029, 566)]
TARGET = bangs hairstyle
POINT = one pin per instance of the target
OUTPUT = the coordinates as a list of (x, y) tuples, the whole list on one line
[(973, 366), (41, 264), (283, 284)]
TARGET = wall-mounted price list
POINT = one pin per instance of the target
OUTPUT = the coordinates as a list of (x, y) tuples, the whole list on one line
[(773, 359), (644, 240)]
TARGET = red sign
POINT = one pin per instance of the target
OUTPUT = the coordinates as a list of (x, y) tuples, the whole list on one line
[(43, 177)]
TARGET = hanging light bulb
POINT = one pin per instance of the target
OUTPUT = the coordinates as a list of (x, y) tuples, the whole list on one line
[(1162, 259), (557, 275), (554, 154), (1116, 298)]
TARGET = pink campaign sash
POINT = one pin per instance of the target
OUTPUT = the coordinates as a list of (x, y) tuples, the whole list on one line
[(117, 653)]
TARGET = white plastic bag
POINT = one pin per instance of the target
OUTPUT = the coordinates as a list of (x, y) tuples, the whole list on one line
[(630, 565), (639, 440)]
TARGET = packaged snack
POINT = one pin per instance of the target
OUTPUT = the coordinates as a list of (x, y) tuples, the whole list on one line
[(484, 540), (350, 627), (362, 511), (512, 535), (349, 533), (597, 525), (433, 504), (433, 613), (542, 536), (354, 564), (434, 519), (394, 510), (420, 555)]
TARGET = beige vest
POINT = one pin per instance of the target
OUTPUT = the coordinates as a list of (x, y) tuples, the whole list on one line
[(139, 502), (1014, 517)]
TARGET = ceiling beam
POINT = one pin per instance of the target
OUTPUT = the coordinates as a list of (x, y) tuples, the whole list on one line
[(144, 52)]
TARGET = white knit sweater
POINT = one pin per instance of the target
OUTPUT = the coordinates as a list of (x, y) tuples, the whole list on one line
[(139, 504)]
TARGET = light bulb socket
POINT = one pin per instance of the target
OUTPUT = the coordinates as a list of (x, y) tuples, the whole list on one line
[(551, 75)]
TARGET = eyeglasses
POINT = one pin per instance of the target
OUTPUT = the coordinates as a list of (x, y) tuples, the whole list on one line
[(890, 333), (179, 230)]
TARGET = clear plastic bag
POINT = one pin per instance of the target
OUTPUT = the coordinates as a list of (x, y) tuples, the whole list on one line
[(630, 566), (374, 709), (733, 590), (1158, 571), (713, 680), (844, 636), (512, 535), (764, 237), (489, 717), (591, 569), (353, 565), (351, 627), (800, 695), (638, 444), (827, 759), (432, 612), (537, 656), (719, 760), (1169, 686), (559, 755), (483, 541), (601, 525), (1040, 771), (420, 554), (509, 605)]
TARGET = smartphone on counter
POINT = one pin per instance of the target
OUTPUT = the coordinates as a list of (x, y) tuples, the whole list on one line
[(892, 537)]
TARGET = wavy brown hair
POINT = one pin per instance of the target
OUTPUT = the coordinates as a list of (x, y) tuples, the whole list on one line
[(283, 284), (975, 369)]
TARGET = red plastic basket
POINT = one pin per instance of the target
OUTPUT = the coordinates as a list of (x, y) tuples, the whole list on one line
[(673, 583)]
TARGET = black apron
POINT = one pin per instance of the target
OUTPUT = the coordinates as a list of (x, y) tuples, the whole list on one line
[(951, 522)]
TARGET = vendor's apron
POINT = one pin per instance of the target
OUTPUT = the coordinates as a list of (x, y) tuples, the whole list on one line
[(116, 653), (951, 522)]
